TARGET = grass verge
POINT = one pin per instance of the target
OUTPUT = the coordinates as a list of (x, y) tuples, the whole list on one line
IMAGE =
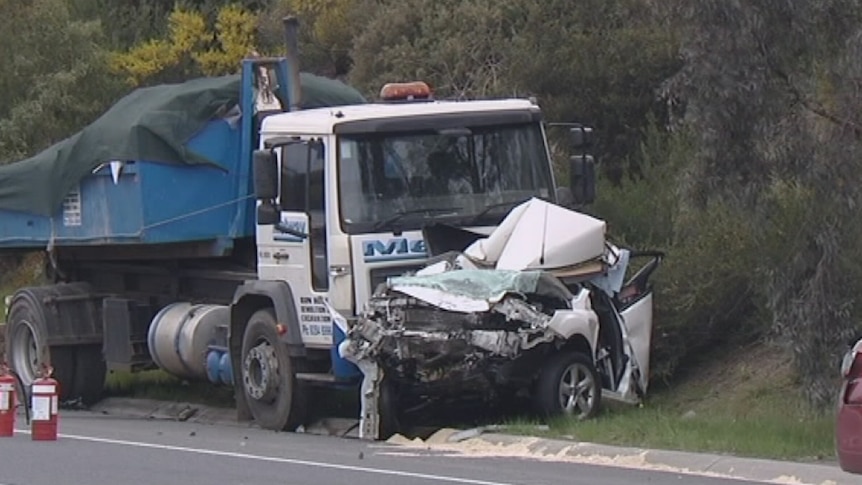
[(744, 403), (161, 386)]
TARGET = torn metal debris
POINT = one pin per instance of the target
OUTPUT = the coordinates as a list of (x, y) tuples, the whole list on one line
[(539, 305)]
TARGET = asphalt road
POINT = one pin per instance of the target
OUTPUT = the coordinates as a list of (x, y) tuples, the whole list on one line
[(101, 450)]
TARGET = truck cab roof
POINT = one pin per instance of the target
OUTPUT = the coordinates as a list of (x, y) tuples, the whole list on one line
[(388, 116)]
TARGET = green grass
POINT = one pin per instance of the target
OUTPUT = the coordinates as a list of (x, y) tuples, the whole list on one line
[(745, 405), (159, 385), (768, 435)]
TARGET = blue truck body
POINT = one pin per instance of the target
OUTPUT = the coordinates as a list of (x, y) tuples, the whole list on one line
[(152, 203), (155, 203)]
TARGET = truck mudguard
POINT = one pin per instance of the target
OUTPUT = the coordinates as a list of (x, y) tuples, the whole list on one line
[(254, 295)]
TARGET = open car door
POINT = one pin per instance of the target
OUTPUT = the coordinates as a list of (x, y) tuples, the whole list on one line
[(635, 305)]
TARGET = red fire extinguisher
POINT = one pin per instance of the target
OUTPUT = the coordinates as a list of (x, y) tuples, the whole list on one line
[(8, 401), (45, 416)]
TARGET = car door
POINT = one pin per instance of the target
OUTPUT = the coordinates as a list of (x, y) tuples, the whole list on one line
[(635, 304)]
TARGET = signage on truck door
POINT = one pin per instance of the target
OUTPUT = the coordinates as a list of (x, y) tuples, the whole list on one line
[(314, 318)]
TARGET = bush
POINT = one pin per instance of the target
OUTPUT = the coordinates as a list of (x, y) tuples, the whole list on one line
[(705, 290)]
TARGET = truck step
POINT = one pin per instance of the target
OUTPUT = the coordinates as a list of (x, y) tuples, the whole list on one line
[(315, 377)]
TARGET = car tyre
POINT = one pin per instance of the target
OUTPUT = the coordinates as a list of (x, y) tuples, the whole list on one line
[(568, 385)]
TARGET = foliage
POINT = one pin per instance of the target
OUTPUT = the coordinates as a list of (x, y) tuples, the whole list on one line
[(709, 254), (129, 23), (54, 78), (777, 119), (191, 47), (595, 61), (326, 32)]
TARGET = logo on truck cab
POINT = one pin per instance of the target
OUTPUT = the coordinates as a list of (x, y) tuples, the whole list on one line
[(398, 248)]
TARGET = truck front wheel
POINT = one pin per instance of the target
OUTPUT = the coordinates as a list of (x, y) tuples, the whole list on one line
[(276, 399), (568, 385)]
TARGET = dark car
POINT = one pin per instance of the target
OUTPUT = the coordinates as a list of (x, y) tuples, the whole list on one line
[(848, 423)]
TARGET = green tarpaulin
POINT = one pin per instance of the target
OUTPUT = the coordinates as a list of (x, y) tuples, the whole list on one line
[(150, 124)]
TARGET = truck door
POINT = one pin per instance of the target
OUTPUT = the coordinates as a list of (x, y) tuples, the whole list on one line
[(296, 251)]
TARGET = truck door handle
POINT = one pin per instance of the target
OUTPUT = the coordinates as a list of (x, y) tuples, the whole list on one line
[(337, 270), (280, 256)]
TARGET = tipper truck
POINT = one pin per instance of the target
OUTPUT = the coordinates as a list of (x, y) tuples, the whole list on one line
[(218, 228)]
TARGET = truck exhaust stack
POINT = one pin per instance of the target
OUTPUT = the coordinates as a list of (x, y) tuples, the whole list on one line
[(291, 27)]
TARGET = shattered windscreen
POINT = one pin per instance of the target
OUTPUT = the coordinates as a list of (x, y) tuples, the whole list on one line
[(452, 174)]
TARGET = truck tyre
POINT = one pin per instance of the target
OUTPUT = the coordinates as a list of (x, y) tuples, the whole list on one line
[(26, 348), (276, 399), (90, 372), (568, 385), (63, 362)]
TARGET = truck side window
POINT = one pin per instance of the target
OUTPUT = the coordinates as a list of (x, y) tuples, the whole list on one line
[(303, 186), (294, 177)]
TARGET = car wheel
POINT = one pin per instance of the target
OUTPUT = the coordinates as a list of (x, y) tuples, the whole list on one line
[(568, 385)]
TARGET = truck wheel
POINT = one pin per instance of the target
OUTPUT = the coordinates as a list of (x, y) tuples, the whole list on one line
[(276, 399), (26, 348), (90, 371), (568, 385), (63, 362)]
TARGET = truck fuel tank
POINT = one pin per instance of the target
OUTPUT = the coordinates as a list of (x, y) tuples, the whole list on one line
[(180, 335)]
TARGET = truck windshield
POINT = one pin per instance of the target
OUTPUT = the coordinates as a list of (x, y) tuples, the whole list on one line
[(450, 176)]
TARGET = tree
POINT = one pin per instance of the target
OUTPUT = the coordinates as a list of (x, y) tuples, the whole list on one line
[(769, 87), (598, 62), (191, 47), (132, 22), (54, 78), (326, 33)]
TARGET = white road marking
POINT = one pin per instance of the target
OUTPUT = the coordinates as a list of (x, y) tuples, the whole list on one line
[(291, 461)]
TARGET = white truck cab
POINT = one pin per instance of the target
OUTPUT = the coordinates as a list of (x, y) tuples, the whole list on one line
[(359, 182)]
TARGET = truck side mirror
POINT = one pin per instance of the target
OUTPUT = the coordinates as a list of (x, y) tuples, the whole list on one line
[(582, 173), (265, 168), (582, 137)]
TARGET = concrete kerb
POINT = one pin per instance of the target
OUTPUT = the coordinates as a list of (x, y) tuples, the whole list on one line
[(493, 442)]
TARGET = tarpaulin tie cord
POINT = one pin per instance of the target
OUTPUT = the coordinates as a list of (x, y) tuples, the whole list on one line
[(199, 211), (51, 244)]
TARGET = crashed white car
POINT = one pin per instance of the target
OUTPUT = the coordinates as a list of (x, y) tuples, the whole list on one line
[(540, 306)]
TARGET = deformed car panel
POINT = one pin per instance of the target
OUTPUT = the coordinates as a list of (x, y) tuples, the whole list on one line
[(637, 321), (505, 312)]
